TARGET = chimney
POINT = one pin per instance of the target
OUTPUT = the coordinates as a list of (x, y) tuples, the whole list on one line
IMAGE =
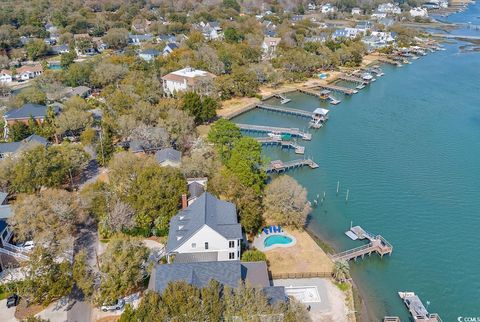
[(184, 201)]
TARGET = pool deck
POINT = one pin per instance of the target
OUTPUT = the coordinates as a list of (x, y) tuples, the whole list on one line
[(259, 242)]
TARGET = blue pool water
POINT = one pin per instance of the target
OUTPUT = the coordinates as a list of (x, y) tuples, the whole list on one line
[(276, 239)]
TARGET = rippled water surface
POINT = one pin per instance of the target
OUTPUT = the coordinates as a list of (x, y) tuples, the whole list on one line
[(408, 149)]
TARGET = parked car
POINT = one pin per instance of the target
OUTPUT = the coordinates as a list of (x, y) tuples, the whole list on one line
[(113, 307), (12, 300)]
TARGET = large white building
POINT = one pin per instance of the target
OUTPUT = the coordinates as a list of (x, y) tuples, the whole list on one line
[(389, 8), (187, 79), (207, 230), (419, 12)]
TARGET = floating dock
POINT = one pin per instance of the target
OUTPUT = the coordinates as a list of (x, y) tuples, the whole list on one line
[(272, 129), (377, 244), (278, 166), (283, 143), (283, 98), (286, 110), (417, 309)]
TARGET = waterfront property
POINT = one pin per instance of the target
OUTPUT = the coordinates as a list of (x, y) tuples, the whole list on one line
[(186, 79), (336, 88), (273, 129), (377, 244), (284, 143), (273, 237), (417, 309), (206, 230), (278, 166)]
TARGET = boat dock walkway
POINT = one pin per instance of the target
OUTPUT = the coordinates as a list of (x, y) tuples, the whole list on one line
[(352, 79), (272, 129), (336, 88), (417, 309), (377, 244), (287, 110), (284, 144), (315, 93), (278, 166)]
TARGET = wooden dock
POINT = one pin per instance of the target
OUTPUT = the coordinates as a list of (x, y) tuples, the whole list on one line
[(336, 88), (272, 129), (352, 79), (417, 309), (283, 98), (312, 92), (284, 144), (377, 244), (278, 166), (286, 110)]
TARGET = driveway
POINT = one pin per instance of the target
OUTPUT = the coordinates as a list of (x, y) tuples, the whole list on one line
[(133, 300), (56, 311), (7, 315), (80, 309)]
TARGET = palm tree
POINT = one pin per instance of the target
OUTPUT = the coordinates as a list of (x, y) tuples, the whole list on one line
[(341, 271)]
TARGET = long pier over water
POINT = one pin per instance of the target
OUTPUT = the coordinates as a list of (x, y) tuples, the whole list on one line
[(286, 110), (273, 129)]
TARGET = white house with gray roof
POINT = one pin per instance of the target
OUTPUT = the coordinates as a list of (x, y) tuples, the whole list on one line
[(207, 230)]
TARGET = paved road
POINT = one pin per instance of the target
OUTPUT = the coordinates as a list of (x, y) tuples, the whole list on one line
[(81, 310)]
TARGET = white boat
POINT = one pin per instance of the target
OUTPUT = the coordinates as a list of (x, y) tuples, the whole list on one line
[(274, 136)]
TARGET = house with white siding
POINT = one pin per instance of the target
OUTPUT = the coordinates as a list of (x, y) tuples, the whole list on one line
[(187, 79), (6, 76), (206, 230)]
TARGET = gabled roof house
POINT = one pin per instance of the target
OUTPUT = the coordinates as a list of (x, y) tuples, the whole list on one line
[(207, 230)]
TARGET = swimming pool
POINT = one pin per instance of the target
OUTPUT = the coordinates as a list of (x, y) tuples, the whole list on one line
[(277, 239)]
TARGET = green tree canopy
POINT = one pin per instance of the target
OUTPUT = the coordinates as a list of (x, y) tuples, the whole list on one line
[(223, 134), (155, 195), (201, 108), (253, 255), (122, 266), (246, 163)]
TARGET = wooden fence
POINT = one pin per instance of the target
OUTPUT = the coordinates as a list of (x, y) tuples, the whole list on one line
[(275, 276)]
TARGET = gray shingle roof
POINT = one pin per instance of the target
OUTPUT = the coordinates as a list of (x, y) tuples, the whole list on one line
[(219, 215), (13, 147), (169, 154), (227, 273), (196, 257), (195, 189), (29, 110)]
